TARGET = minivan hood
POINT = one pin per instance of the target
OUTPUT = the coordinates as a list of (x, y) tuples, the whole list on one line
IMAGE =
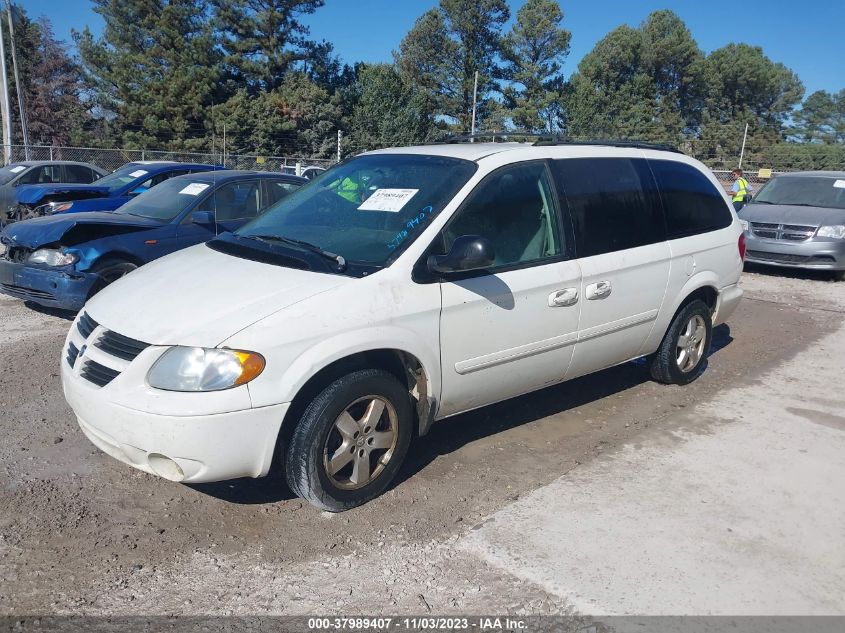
[(32, 194), (200, 297), (791, 214), (51, 229)]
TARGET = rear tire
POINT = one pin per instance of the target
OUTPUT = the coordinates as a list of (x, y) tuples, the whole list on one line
[(351, 441), (682, 355)]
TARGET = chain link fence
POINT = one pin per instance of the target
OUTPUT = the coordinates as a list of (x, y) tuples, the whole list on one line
[(111, 159)]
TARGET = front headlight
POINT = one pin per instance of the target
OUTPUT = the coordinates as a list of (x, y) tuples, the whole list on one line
[(3, 249), (836, 231), (199, 369), (58, 207), (52, 257)]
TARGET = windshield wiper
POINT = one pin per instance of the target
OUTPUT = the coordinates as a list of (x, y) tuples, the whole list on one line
[(761, 202), (338, 259)]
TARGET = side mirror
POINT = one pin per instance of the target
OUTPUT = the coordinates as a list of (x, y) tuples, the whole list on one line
[(469, 252), (202, 217)]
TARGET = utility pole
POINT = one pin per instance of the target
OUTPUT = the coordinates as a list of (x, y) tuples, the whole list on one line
[(474, 101), (18, 87), (5, 105), (339, 137), (742, 151)]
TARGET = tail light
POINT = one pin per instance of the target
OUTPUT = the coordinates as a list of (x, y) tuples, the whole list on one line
[(741, 246)]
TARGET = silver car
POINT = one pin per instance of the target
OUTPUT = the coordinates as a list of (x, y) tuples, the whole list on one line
[(798, 221)]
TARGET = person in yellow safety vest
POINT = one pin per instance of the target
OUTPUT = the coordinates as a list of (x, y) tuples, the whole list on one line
[(741, 189), (347, 188)]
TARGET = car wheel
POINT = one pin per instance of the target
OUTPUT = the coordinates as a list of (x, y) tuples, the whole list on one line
[(682, 355), (109, 272), (351, 440), (839, 275)]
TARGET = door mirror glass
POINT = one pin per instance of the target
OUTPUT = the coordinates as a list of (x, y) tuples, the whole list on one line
[(202, 217), (468, 252)]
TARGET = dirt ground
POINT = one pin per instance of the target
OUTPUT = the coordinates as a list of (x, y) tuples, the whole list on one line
[(81, 533)]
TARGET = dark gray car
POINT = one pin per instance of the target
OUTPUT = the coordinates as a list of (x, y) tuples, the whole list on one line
[(798, 220), (37, 172)]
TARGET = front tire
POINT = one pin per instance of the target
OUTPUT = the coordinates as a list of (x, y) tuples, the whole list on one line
[(351, 441), (109, 272), (682, 355)]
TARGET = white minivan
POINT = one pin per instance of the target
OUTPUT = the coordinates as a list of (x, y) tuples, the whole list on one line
[(401, 287)]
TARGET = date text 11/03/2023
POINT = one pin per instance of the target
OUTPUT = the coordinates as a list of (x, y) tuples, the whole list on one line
[(425, 623)]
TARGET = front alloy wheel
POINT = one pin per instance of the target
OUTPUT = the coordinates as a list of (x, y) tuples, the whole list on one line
[(350, 442)]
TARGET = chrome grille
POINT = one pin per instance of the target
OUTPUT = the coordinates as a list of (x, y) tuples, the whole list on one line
[(86, 325), (786, 232), (99, 374), (120, 346)]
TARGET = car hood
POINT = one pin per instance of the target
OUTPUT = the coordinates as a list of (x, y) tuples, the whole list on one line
[(791, 214), (201, 297), (31, 194), (74, 228)]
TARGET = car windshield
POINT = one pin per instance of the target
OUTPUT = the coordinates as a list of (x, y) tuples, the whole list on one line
[(10, 171), (366, 209), (811, 191), (122, 177), (165, 201)]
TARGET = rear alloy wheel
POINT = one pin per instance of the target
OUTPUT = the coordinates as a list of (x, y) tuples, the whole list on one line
[(682, 355), (349, 444)]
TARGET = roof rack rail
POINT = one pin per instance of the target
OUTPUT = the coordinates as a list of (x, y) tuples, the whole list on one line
[(553, 139), (611, 143)]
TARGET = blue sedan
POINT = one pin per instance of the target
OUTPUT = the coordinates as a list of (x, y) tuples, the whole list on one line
[(61, 260), (106, 194)]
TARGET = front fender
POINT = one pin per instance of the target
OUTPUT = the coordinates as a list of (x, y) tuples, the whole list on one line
[(310, 362)]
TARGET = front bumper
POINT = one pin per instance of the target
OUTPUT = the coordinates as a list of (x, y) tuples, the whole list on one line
[(205, 448), (53, 288), (812, 254), (181, 437)]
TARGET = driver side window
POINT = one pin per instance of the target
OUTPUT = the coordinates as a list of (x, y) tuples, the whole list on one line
[(513, 209)]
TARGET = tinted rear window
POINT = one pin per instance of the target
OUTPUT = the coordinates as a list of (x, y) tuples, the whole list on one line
[(691, 202), (613, 203)]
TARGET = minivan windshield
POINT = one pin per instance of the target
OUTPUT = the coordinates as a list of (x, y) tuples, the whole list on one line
[(166, 201), (366, 209), (122, 177), (808, 191)]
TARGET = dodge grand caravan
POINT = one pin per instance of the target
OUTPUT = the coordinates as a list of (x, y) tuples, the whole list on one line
[(398, 288)]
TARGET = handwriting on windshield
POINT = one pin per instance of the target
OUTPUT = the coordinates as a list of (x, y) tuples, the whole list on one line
[(411, 225)]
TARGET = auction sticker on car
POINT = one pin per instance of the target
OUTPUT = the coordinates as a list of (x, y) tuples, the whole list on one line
[(194, 189), (839, 184), (18, 169), (388, 200), (138, 173)]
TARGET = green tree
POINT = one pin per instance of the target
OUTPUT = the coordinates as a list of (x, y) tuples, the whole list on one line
[(746, 87), (534, 52), (648, 83), (264, 39), (388, 111), (155, 69), (821, 117), (446, 47)]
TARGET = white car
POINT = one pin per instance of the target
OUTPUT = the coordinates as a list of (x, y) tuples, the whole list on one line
[(398, 288)]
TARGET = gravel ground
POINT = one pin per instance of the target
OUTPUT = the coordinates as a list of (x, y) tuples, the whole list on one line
[(81, 533)]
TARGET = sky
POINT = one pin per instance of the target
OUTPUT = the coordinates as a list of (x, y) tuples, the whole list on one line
[(805, 36)]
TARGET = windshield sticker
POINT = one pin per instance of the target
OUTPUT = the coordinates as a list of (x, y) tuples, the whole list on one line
[(839, 184), (138, 173), (17, 169), (194, 189), (388, 200), (410, 225)]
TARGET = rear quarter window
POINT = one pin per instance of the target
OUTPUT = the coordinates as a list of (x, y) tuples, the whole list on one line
[(613, 203), (692, 204)]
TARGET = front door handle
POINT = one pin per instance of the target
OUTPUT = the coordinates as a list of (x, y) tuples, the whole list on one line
[(562, 298), (598, 290)]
